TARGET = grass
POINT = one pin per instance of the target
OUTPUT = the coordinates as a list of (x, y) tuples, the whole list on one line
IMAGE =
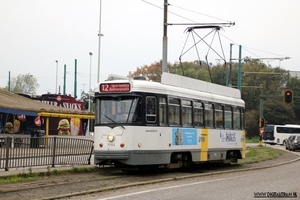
[(31, 176), (252, 139), (260, 153)]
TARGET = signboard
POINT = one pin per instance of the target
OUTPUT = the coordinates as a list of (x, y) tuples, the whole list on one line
[(38, 121), (22, 118), (114, 87), (75, 126), (58, 98)]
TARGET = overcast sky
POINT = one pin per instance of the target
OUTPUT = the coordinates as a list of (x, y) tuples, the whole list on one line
[(36, 33)]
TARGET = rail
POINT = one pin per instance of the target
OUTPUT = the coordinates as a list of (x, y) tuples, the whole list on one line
[(24, 151)]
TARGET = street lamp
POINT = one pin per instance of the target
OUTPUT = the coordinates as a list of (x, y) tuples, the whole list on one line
[(99, 44), (56, 76), (8, 81), (89, 92), (90, 83)]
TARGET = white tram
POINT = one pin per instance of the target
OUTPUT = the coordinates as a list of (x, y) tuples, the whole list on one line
[(178, 122)]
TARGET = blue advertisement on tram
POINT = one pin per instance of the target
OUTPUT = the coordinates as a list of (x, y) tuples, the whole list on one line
[(184, 136)]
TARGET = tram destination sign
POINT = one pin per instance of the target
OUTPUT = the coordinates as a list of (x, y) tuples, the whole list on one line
[(114, 87)]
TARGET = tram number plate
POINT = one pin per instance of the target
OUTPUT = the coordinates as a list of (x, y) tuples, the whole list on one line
[(111, 144)]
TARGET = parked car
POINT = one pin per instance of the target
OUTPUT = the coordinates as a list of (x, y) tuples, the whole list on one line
[(293, 142)]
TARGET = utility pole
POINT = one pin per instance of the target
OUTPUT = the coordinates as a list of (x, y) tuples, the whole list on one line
[(240, 69), (165, 38), (230, 67), (75, 80), (65, 77)]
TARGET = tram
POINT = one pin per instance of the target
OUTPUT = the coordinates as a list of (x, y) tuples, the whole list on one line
[(172, 124)]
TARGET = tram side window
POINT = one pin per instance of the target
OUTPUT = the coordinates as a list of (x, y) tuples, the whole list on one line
[(198, 114), (151, 109), (174, 111), (228, 117), (186, 113), (209, 113), (162, 111), (219, 120), (237, 118)]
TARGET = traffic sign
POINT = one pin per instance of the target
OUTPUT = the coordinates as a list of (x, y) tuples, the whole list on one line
[(261, 131)]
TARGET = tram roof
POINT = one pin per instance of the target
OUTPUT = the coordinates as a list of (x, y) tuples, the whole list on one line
[(173, 84), (199, 85)]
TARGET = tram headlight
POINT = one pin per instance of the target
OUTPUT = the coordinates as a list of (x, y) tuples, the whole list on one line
[(110, 138)]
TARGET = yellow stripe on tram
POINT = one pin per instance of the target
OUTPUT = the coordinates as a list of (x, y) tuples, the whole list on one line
[(243, 144), (204, 144)]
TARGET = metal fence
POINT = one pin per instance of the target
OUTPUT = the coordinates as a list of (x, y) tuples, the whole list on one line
[(27, 151)]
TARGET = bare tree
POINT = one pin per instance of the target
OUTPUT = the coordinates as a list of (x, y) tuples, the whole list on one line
[(25, 84)]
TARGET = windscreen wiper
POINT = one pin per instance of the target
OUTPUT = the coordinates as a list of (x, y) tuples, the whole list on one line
[(113, 120)]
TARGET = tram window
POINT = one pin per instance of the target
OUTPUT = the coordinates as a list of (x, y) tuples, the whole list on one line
[(219, 116), (174, 114), (186, 113), (174, 111), (162, 111), (198, 114), (138, 112), (237, 118), (151, 109), (228, 117), (208, 115)]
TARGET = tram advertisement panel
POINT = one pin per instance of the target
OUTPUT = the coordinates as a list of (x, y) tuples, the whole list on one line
[(184, 136), (228, 137)]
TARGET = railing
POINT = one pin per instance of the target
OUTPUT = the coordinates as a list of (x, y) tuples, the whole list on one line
[(25, 151)]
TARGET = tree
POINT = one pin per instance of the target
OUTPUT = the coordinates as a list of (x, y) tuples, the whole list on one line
[(192, 69), (86, 97), (277, 112), (25, 84), (251, 123), (152, 72)]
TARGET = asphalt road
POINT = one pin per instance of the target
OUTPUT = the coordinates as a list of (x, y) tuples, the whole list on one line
[(254, 184), (281, 180)]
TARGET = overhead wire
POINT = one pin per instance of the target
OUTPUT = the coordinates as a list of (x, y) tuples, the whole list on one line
[(199, 13), (189, 10)]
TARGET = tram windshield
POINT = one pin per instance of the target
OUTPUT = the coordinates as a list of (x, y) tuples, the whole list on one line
[(125, 109)]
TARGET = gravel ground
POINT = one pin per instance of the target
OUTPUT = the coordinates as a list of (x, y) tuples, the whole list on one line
[(56, 187)]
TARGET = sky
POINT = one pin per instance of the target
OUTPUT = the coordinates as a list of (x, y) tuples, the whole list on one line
[(34, 34)]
